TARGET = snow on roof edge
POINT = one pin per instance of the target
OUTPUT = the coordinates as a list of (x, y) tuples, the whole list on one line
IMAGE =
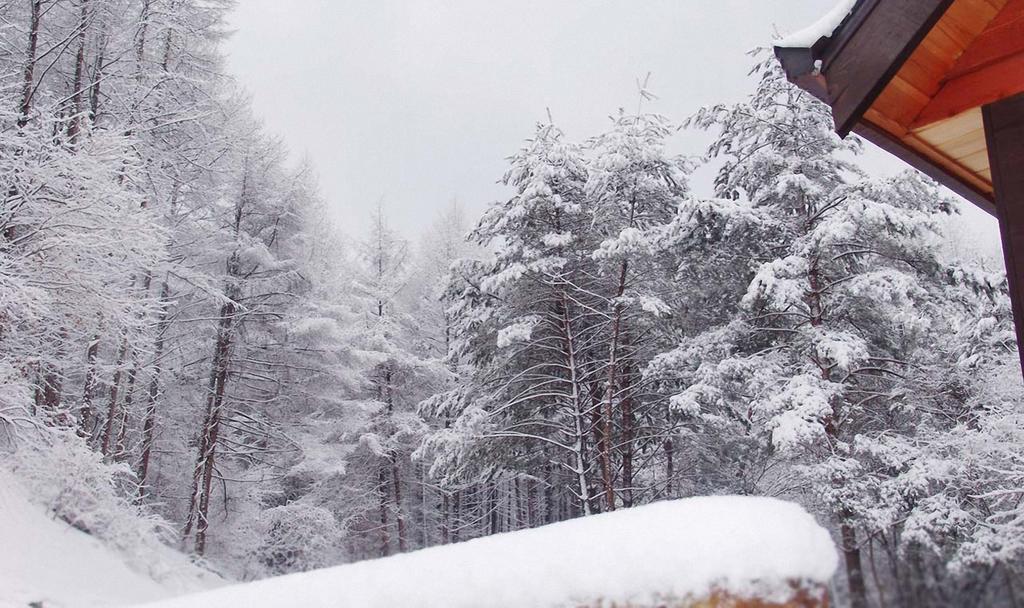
[(822, 28), (672, 549)]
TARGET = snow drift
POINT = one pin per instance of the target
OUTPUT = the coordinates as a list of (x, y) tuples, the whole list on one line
[(47, 561), (670, 550)]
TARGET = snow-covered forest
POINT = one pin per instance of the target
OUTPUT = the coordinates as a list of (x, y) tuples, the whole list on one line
[(194, 353)]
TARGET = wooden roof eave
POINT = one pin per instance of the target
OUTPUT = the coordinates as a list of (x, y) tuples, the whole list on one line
[(849, 70), (863, 54)]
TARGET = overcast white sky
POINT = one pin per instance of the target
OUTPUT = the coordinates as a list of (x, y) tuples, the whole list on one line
[(420, 101)]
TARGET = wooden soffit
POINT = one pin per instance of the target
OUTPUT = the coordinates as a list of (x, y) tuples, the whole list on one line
[(912, 77)]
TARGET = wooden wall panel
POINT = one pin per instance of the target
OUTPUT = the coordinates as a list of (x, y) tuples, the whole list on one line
[(1004, 128)]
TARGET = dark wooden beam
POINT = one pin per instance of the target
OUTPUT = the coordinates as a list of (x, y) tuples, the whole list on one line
[(1004, 131), (870, 49), (925, 165), (798, 64)]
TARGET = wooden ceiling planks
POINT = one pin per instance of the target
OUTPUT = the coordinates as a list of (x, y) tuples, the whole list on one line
[(991, 68), (1001, 38), (922, 76), (973, 55), (958, 143)]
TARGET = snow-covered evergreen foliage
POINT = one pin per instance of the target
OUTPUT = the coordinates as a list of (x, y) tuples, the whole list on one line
[(191, 353)]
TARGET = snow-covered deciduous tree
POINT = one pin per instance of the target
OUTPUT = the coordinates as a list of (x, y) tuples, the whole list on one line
[(155, 249)]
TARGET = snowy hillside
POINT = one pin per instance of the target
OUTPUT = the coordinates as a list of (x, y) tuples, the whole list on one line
[(57, 566), (675, 549)]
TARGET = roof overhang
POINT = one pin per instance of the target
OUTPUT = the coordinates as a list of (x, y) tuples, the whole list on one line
[(912, 77)]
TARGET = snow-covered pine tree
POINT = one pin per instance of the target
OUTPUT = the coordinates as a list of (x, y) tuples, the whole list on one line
[(634, 188), (526, 320), (555, 328), (847, 303), (400, 376)]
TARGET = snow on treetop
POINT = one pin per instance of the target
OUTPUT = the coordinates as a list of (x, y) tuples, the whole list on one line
[(674, 549), (823, 28)]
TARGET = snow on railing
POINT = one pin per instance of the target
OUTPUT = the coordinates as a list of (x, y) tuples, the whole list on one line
[(711, 551)]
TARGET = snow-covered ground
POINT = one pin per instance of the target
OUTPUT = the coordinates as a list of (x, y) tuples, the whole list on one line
[(676, 549), (46, 561)]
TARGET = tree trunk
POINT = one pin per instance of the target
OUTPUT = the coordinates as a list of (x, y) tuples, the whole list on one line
[(578, 410), (531, 503), (627, 438), (49, 387), (78, 85), (550, 513), (120, 450), (403, 544), (383, 491), (854, 569), (95, 90), (149, 422), (445, 519), (611, 385), (202, 518), (851, 551), (492, 507), (165, 63), (457, 516), (202, 475), (86, 412), (421, 475), (115, 385), (28, 81), (140, 40), (670, 468), (8, 224)]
